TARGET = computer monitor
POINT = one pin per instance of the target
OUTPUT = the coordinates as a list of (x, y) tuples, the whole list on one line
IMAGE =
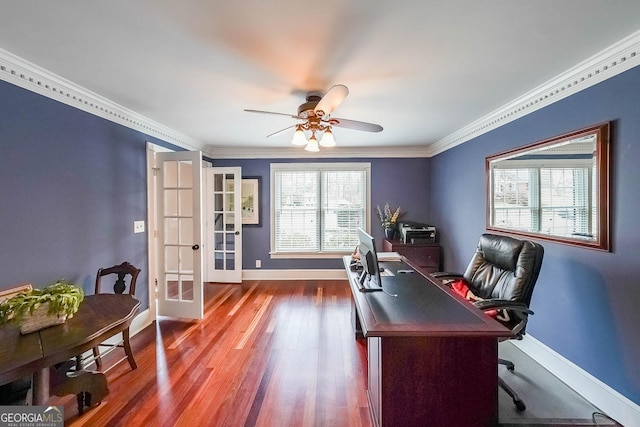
[(369, 280)]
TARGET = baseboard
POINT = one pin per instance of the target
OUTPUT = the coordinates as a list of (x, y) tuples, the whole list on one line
[(317, 274), (141, 321), (609, 401)]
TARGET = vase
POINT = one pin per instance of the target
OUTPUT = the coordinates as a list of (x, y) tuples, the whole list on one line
[(389, 233), (40, 319)]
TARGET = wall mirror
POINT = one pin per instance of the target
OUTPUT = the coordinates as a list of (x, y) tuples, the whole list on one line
[(556, 189)]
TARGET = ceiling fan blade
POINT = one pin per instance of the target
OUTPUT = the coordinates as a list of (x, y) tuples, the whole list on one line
[(354, 124), (271, 112), (281, 130), (331, 100)]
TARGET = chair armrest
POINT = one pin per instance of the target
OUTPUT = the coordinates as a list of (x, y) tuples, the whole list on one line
[(446, 275), (519, 310), (491, 304)]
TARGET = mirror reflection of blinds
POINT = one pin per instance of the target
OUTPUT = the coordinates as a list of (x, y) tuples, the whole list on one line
[(566, 210), (552, 200), (318, 210)]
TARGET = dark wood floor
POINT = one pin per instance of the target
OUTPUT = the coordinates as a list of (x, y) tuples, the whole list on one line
[(266, 354)]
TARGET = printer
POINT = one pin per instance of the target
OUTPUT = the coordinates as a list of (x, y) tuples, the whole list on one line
[(416, 233)]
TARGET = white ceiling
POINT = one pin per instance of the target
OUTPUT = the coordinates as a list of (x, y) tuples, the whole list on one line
[(422, 69)]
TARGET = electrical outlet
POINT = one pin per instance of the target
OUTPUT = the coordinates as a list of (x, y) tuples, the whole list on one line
[(258, 263), (138, 226)]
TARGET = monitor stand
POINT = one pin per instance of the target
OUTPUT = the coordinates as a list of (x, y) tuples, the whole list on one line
[(362, 288)]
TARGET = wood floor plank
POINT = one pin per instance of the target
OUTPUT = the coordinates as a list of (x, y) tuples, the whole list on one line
[(246, 335), (211, 306)]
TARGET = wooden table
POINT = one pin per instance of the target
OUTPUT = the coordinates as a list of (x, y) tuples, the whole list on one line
[(98, 318), (432, 357)]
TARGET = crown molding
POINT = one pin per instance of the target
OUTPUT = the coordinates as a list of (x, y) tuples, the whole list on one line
[(610, 62), (324, 153), (27, 75)]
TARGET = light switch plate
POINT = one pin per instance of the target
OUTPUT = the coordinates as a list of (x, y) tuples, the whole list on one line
[(138, 226)]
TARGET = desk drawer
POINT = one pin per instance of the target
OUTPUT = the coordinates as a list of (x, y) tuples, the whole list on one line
[(424, 257)]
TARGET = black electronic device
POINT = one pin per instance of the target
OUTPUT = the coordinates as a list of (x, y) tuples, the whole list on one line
[(417, 233), (369, 280)]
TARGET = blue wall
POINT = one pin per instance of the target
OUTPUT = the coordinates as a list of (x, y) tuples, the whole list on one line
[(400, 182), (587, 302), (71, 185)]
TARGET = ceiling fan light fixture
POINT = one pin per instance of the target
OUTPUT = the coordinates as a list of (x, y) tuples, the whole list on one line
[(298, 137), (316, 117), (312, 145), (327, 139)]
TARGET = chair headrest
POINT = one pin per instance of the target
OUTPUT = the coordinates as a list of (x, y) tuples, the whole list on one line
[(501, 251), (504, 268)]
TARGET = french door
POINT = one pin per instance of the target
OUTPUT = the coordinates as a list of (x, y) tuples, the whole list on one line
[(223, 241), (180, 291)]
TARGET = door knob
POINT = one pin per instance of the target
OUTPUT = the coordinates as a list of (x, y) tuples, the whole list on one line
[(195, 247), (237, 233)]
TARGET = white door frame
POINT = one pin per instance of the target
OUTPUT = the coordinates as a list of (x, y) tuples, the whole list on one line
[(152, 228)]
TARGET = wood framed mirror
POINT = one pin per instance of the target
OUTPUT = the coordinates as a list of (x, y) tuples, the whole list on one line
[(556, 189)]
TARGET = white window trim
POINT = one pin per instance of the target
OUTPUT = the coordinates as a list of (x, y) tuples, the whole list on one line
[(276, 167)]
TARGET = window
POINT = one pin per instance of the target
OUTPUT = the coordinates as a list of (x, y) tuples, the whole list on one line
[(316, 208)]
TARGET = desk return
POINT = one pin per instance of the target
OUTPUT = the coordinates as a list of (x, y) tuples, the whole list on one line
[(423, 347)]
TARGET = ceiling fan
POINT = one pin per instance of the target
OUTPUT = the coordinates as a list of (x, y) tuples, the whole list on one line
[(315, 114)]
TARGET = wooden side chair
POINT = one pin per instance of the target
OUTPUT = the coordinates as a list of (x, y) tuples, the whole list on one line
[(120, 273)]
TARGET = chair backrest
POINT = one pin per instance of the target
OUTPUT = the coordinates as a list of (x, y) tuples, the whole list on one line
[(504, 268), (120, 283)]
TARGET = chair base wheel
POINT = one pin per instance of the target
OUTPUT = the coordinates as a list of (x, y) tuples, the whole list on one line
[(508, 364), (520, 406)]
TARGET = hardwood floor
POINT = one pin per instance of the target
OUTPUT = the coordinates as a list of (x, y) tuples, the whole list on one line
[(277, 354), (266, 354)]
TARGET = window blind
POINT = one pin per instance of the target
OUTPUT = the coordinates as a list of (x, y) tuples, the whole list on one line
[(317, 208)]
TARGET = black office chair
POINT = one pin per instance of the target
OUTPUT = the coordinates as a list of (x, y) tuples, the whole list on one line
[(501, 277)]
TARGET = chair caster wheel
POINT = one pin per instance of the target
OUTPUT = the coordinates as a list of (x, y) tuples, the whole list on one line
[(520, 406)]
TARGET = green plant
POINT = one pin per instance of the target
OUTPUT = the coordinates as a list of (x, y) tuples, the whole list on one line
[(63, 298)]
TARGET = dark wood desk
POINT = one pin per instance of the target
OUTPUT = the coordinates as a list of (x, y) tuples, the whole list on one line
[(433, 357), (98, 318)]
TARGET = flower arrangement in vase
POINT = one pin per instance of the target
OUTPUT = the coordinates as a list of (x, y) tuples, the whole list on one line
[(388, 219)]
